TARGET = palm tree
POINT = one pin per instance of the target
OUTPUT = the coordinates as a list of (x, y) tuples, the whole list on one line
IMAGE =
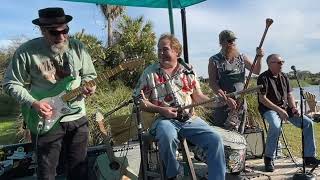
[(132, 37), (111, 13)]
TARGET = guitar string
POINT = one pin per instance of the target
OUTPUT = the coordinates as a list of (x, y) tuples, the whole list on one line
[(77, 91)]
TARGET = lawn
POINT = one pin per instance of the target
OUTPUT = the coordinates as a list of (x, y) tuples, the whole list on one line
[(8, 133), (8, 130), (293, 137)]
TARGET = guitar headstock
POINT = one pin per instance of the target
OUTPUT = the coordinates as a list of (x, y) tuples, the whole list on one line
[(99, 119), (98, 116), (132, 63)]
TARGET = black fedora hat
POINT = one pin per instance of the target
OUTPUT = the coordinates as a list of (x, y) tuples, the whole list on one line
[(51, 16)]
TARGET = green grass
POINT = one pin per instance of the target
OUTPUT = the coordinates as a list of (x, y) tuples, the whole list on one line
[(8, 131), (293, 137), (303, 83)]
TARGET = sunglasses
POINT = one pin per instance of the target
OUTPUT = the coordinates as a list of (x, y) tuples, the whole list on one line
[(57, 33), (279, 62), (231, 40)]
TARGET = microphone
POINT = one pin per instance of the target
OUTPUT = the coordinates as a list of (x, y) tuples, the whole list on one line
[(294, 70), (186, 66)]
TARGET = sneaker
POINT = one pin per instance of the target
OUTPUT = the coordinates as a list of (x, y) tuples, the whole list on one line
[(268, 164), (311, 161)]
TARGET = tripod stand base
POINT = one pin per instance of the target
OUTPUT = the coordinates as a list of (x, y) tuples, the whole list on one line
[(303, 176)]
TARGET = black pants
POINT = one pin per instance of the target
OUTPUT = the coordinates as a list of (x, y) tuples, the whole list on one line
[(74, 136)]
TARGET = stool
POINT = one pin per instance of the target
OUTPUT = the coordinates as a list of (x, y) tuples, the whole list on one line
[(151, 154)]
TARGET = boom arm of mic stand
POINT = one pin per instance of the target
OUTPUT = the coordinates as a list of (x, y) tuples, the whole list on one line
[(126, 103)]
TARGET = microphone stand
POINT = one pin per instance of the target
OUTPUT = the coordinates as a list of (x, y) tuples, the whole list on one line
[(303, 175), (126, 103), (136, 100)]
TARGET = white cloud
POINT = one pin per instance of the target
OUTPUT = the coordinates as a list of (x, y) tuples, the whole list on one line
[(313, 35), (295, 23), (294, 33), (4, 43)]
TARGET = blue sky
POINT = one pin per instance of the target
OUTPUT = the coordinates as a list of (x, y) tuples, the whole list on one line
[(295, 33)]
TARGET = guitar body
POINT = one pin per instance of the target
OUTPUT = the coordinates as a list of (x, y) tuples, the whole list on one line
[(182, 115), (105, 172), (60, 108)]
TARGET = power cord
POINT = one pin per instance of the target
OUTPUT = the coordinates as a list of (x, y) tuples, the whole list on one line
[(39, 128)]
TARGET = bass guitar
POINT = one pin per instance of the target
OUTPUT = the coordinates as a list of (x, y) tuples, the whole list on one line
[(217, 102), (60, 98)]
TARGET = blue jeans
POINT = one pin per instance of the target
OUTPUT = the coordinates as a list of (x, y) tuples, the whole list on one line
[(274, 121), (199, 133)]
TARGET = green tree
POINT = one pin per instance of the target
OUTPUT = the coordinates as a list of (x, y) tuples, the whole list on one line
[(94, 47), (111, 13), (133, 38), (4, 59), (7, 52)]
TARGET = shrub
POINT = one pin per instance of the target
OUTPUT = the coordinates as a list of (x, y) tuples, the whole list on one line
[(8, 106)]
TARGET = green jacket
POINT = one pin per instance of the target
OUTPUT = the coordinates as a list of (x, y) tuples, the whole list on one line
[(31, 70)]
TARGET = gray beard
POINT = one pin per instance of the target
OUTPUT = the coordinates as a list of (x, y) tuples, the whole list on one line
[(59, 48), (231, 53)]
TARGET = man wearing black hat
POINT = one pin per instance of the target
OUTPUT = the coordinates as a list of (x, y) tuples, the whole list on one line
[(44, 63), (227, 74)]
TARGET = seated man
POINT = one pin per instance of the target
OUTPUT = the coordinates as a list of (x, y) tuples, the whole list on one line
[(180, 87), (276, 102)]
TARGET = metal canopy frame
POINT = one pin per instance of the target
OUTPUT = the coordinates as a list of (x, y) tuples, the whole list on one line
[(169, 4)]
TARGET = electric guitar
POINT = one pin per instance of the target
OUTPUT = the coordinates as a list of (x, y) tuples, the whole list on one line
[(60, 98)]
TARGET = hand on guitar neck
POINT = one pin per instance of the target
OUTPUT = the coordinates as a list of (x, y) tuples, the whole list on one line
[(232, 104), (88, 90)]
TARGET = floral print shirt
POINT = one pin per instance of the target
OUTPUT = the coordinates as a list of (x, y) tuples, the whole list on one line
[(162, 90)]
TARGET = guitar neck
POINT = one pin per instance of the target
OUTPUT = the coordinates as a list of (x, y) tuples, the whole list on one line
[(106, 138), (78, 91), (109, 149), (243, 92), (199, 103)]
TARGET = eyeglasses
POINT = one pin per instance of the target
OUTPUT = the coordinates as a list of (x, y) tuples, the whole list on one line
[(278, 62), (57, 33)]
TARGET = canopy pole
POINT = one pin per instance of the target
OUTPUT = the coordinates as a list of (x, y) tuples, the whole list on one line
[(184, 34), (170, 16)]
